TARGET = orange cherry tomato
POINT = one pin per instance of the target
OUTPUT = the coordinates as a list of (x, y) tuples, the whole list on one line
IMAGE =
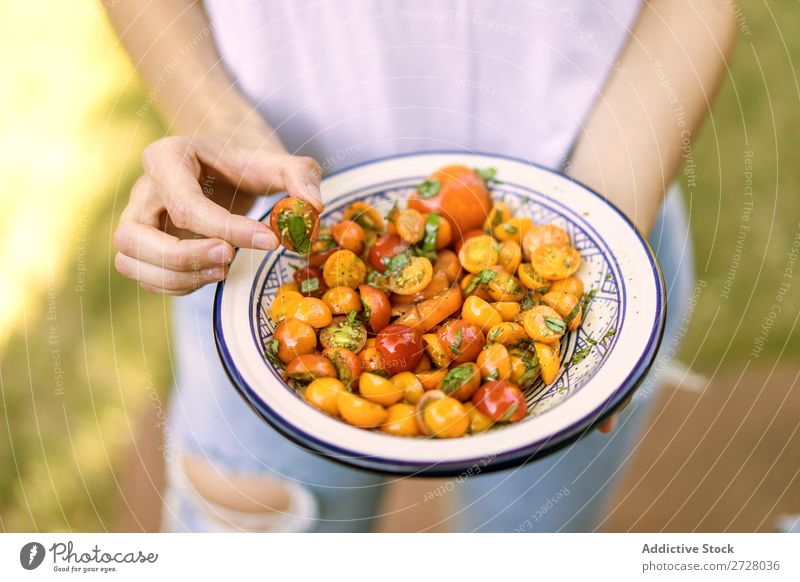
[(524, 366), (556, 261), (428, 314), (365, 215), (344, 332), (462, 339), (413, 277), (436, 351), (447, 263), (346, 363), (342, 300), (507, 333), (432, 380), (284, 304), (296, 224), (349, 235), (567, 306), (344, 268), (401, 420), (548, 361), (477, 311), (510, 255), (543, 235), (501, 401), (410, 385), (295, 338), (508, 310), (479, 253), (506, 287), (462, 381), (494, 363), (309, 367), (459, 241), (315, 312), (410, 225), (379, 389), (377, 308), (444, 234), (569, 285), (359, 411), (513, 229), (441, 416), (543, 324), (532, 280), (289, 287), (323, 394), (458, 194), (424, 364), (438, 284), (400, 348), (499, 213), (384, 249), (478, 421), (370, 359)]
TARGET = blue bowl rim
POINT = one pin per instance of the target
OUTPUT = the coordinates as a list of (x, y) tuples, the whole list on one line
[(507, 459)]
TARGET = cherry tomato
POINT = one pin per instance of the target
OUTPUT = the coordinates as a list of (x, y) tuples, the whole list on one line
[(462, 381), (371, 359), (410, 225), (436, 350), (513, 229), (322, 248), (507, 333), (284, 304), (543, 324), (466, 236), (477, 311), (548, 361), (458, 194), (556, 261), (494, 362), (386, 247), (365, 215), (349, 235), (400, 348), (532, 280), (432, 380), (310, 282), (569, 285), (441, 416), (506, 287), (499, 213), (347, 364), (479, 253), (508, 310), (478, 421), (510, 255), (377, 308), (315, 312), (379, 389), (413, 277), (447, 263), (359, 411), (295, 338), (344, 268), (310, 367), (401, 420), (322, 393), (410, 385), (463, 339), (296, 223), (543, 235), (344, 332), (525, 367), (429, 313), (501, 401), (444, 234), (567, 306), (342, 300)]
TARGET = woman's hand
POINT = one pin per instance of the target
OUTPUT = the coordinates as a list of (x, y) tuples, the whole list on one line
[(185, 215)]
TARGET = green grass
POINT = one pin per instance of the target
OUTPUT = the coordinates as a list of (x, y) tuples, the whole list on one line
[(60, 462)]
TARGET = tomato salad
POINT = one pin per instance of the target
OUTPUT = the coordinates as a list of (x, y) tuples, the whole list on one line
[(432, 322)]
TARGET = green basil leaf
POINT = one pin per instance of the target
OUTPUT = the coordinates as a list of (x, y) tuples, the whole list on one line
[(555, 325), (429, 189), (455, 346), (457, 377), (309, 285), (431, 231), (298, 234)]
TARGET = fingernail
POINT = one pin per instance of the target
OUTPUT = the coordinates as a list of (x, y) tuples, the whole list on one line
[(220, 254), (213, 273), (316, 196), (265, 240)]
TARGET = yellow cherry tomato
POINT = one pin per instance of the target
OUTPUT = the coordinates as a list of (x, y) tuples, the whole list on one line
[(379, 389), (532, 280), (506, 287), (508, 310), (436, 351), (510, 255), (365, 215), (524, 366), (413, 277), (478, 421), (323, 394), (543, 324), (359, 411), (283, 303), (499, 214), (444, 235), (342, 300), (442, 416), (513, 229), (567, 306), (556, 261), (315, 312), (477, 311), (432, 380), (289, 287), (494, 363), (479, 253), (543, 235), (507, 333), (548, 361), (401, 420), (343, 267), (410, 385), (410, 225), (569, 285), (371, 358)]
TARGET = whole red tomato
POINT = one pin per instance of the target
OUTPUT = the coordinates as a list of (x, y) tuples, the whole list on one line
[(463, 339), (400, 348), (458, 193), (386, 247), (501, 401)]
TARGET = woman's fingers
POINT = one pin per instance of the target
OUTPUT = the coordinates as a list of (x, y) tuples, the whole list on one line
[(608, 425), (151, 245), (175, 282)]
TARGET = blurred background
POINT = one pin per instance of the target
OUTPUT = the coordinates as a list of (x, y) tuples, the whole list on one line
[(84, 354)]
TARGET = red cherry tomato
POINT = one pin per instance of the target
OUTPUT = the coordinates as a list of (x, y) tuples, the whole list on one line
[(377, 308), (501, 401), (386, 247), (463, 339), (400, 348), (296, 223), (307, 285), (456, 192)]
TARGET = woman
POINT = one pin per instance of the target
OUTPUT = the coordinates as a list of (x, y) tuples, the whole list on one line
[(259, 95)]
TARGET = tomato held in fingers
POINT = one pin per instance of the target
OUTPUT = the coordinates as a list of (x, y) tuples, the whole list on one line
[(310, 367), (463, 339), (462, 381), (400, 348), (296, 223), (295, 338), (323, 394), (441, 416), (346, 362), (384, 249), (359, 411), (556, 261), (377, 309), (349, 235), (501, 401), (458, 194)]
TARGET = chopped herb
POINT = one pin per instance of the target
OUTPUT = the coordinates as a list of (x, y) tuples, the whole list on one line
[(309, 285), (487, 174), (397, 263), (494, 332), (510, 228), (526, 303), (482, 278), (367, 310), (587, 298), (298, 234), (455, 346), (574, 312), (457, 377), (429, 189), (497, 217), (271, 353), (580, 355), (493, 375), (352, 317), (608, 334), (509, 413), (381, 373), (431, 232), (555, 325), (608, 277), (392, 211)]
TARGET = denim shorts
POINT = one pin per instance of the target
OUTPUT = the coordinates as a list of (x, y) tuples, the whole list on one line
[(565, 491)]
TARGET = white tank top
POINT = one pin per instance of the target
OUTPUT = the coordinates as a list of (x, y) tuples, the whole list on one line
[(351, 80)]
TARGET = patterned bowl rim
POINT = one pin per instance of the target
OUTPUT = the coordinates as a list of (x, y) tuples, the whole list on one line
[(500, 459)]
